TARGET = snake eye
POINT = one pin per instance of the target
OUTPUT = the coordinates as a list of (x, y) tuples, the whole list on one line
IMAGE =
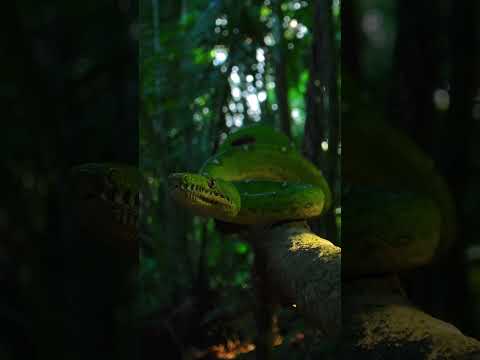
[(211, 183)]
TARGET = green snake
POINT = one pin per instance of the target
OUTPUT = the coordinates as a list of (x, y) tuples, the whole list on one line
[(397, 209), (256, 177)]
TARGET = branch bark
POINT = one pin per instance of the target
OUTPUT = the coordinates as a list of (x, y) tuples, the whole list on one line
[(303, 269), (379, 322)]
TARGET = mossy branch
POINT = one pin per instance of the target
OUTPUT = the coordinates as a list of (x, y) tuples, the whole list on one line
[(305, 270)]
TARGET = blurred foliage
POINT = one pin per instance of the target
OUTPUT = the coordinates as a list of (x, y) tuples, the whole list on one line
[(402, 62)]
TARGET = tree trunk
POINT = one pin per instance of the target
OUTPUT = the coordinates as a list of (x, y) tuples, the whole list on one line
[(280, 64), (322, 123)]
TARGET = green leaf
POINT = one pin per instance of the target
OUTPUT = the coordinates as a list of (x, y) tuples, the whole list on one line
[(241, 248)]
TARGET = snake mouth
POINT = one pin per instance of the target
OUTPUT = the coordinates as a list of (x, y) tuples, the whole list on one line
[(123, 204), (201, 194)]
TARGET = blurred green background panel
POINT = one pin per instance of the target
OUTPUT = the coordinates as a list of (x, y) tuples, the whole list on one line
[(414, 67)]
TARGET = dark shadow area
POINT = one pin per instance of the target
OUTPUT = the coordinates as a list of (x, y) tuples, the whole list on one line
[(69, 96)]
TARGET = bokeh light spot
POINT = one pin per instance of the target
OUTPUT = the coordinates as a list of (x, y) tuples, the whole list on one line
[(441, 99)]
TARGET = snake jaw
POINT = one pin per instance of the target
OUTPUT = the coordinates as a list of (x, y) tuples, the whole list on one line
[(201, 194), (123, 202), (113, 188)]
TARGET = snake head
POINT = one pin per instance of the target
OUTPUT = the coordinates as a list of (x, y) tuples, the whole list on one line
[(205, 195), (104, 200), (115, 188)]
